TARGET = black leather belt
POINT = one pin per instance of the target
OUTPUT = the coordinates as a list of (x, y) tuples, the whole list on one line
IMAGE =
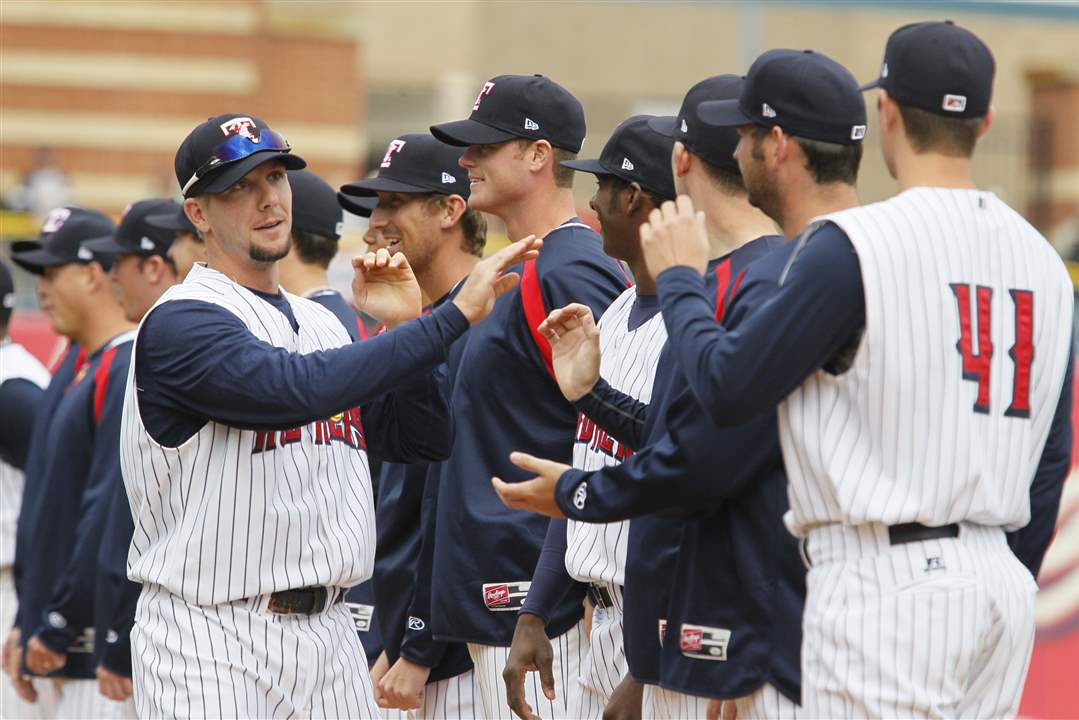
[(303, 601), (600, 596), (913, 532)]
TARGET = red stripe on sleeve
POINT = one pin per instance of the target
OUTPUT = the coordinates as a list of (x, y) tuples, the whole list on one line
[(535, 312), (101, 382), (723, 279)]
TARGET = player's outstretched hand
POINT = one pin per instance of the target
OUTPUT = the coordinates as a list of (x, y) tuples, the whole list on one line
[(402, 686), (675, 234), (574, 340), (40, 660), (113, 686), (535, 495), (385, 288), (488, 279), (530, 651), (625, 701)]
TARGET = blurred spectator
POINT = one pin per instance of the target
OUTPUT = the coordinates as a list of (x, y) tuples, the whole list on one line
[(44, 187)]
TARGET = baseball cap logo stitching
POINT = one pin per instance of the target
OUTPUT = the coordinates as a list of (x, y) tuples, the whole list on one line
[(241, 126), (954, 103), (767, 111), (626, 164), (530, 124), (395, 146), (84, 254), (447, 178), (884, 71), (55, 220), (487, 87), (146, 243), (857, 132), (685, 128)]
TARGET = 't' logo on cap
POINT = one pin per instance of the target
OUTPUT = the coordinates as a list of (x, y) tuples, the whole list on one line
[(394, 147), (487, 87), (240, 126)]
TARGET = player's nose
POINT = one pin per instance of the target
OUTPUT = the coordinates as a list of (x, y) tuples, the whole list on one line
[(467, 160)]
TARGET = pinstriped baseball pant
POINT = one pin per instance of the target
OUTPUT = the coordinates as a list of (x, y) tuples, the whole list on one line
[(659, 703), (237, 660), (604, 664), (936, 628)]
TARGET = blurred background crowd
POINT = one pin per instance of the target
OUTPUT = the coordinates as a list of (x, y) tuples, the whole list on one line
[(95, 96)]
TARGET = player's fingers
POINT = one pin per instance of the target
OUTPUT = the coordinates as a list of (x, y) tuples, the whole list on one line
[(505, 283), (540, 466), (24, 688), (684, 206), (398, 260), (547, 331), (507, 492), (545, 661), (524, 249), (514, 677), (655, 218), (669, 211), (382, 257)]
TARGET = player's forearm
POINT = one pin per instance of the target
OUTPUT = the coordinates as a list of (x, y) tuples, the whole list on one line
[(620, 415)]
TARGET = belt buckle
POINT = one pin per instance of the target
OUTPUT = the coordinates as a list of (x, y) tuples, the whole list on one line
[(302, 601)]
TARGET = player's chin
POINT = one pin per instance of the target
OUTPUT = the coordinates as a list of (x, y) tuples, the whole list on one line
[(270, 247)]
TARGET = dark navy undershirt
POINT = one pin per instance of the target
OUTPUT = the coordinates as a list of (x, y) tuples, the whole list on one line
[(644, 309), (196, 361)]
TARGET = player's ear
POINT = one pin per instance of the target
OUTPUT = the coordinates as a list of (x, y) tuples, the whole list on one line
[(679, 159), (777, 146), (196, 213), (631, 198), (451, 210), (539, 154)]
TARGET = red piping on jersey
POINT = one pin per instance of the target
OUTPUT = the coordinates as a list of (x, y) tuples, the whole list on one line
[(101, 382), (535, 312), (723, 279), (361, 328), (80, 360)]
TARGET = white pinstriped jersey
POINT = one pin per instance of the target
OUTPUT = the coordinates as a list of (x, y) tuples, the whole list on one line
[(945, 412), (15, 364), (231, 513), (597, 552)]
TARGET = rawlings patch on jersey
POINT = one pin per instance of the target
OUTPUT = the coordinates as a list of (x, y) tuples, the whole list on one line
[(503, 596), (704, 643)]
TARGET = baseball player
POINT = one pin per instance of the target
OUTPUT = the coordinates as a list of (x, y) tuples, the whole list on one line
[(22, 382), (677, 462), (187, 247), (244, 446), (911, 450), (504, 395), (62, 520), (422, 212), (633, 174)]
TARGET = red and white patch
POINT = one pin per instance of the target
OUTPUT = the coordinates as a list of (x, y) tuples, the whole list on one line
[(395, 146), (55, 220), (496, 595), (692, 639), (954, 103), (241, 126), (487, 87)]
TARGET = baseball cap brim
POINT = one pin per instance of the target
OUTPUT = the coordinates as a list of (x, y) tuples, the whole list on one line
[(362, 206), (722, 113), (589, 166), (375, 185), (470, 132), (35, 261), (232, 173), (871, 85), (170, 221), (666, 125), (106, 245)]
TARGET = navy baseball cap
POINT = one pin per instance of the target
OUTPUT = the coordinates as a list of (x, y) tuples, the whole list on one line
[(938, 67), (7, 291), (635, 153), (176, 221), (709, 142), (806, 93), (314, 205), (416, 163), (134, 235), (220, 151), (59, 242), (533, 107), (362, 206)]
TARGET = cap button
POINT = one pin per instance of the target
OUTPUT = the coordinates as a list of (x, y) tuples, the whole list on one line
[(808, 52), (949, 22)]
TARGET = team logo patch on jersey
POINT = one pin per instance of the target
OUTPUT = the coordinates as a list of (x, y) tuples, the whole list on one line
[(241, 126), (598, 440), (954, 103), (704, 643), (485, 91), (395, 146), (499, 597), (415, 623), (361, 615), (344, 427)]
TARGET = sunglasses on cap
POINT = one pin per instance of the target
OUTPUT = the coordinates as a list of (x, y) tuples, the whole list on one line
[(238, 147)]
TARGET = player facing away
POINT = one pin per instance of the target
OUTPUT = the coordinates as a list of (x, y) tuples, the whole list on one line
[(22, 395), (244, 447), (504, 395), (141, 272), (63, 516), (422, 212), (633, 175), (910, 460)]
